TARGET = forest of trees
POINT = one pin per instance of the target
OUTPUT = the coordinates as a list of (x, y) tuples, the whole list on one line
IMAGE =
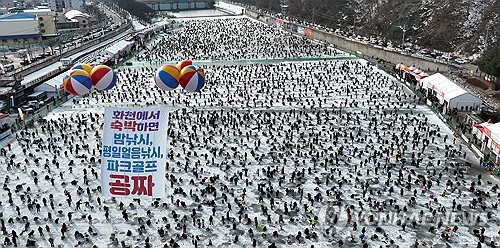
[(434, 24)]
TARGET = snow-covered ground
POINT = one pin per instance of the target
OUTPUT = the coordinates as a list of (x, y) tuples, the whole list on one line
[(266, 147)]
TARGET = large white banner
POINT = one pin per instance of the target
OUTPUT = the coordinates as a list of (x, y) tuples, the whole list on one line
[(134, 152)]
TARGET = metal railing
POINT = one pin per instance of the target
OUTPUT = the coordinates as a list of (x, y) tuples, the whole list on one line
[(31, 118)]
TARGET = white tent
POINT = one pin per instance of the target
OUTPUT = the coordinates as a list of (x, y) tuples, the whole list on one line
[(118, 47), (493, 133), (479, 128), (137, 25), (449, 93), (157, 26), (113, 52), (52, 86), (495, 144)]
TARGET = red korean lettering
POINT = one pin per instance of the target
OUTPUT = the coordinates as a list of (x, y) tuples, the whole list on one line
[(120, 186), (143, 185)]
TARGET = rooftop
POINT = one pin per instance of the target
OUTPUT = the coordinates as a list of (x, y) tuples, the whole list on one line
[(18, 15), (75, 13)]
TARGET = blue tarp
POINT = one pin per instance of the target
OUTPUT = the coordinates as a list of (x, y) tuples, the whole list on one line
[(19, 15)]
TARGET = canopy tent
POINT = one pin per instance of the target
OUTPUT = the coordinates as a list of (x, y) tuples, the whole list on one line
[(400, 66), (412, 70), (119, 47), (157, 26), (137, 25), (421, 76), (113, 52), (53, 86), (495, 144), (493, 133), (449, 93), (479, 129)]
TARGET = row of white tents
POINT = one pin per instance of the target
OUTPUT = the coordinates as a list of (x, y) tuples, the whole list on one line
[(448, 93), (452, 96), (124, 46), (114, 52)]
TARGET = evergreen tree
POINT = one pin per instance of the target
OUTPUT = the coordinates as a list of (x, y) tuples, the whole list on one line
[(489, 62)]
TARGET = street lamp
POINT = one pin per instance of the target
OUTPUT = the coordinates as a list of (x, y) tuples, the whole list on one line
[(284, 7), (3, 49), (403, 28)]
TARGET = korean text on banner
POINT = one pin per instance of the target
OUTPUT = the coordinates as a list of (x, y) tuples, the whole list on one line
[(133, 152)]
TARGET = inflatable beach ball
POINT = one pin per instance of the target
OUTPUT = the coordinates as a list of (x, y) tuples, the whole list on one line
[(192, 78), (167, 77), (183, 64), (103, 77), (86, 67), (77, 82)]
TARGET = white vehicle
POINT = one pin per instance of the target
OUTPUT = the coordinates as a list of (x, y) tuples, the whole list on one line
[(67, 61), (33, 104), (21, 53), (8, 67)]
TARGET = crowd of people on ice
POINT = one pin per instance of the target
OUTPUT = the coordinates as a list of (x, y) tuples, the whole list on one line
[(232, 39), (311, 154), (317, 84)]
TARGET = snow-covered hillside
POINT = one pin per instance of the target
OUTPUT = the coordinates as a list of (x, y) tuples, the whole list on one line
[(465, 26)]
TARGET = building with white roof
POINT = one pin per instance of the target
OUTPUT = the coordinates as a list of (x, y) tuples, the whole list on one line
[(73, 19)]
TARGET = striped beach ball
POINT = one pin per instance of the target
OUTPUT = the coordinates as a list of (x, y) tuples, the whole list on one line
[(103, 77), (181, 64), (167, 77), (77, 82), (86, 67), (192, 78)]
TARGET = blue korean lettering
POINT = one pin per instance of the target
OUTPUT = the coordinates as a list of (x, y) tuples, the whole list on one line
[(153, 126), (154, 115), (124, 166), (131, 139), (106, 151), (144, 139), (115, 152), (117, 114), (112, 165), (151, 166), (135, 153), (138, 166), (125, 152), (130, 115), (118, 138)]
